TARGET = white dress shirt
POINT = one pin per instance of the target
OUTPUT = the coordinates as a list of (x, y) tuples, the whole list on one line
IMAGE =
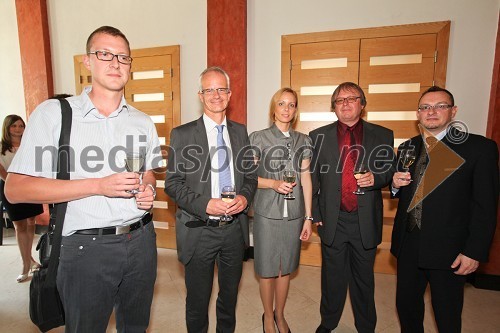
[(210, 127)]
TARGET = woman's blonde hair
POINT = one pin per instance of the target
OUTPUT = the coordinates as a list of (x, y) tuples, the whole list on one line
[(275, 99)]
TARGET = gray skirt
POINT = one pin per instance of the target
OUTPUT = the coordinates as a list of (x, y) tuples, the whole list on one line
[(276, 245)]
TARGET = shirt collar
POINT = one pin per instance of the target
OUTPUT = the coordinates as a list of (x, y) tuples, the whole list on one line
[(87, 107), (210, 124), (278, 133), (343, 127), (438, 136), (441, 134)]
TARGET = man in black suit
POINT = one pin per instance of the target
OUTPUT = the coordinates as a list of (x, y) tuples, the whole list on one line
[(194, 180), (446, 214), (350, 225)]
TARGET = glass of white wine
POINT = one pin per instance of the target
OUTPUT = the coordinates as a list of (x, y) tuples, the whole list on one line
[(227, 194), (289, 177), (359, 170), (134, 162), (408, 159)]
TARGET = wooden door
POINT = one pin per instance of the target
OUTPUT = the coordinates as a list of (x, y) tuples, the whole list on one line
[(393, 65), (153, 88)]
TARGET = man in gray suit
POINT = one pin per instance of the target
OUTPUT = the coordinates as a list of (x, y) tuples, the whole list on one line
[(198, 167), (350, 225)]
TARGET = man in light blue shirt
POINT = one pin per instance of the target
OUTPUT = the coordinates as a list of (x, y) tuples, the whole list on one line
[(108, 253)]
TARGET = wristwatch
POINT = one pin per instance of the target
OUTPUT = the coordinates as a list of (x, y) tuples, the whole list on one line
[(308, 218)]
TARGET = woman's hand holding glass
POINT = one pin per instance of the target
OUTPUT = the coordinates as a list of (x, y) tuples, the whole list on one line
[(282, 187)]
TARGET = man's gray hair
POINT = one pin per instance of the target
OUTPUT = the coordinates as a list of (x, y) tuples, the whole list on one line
[(213, 69)]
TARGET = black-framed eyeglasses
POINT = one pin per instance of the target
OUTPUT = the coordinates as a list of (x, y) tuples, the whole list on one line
[(108, 56), (437, 107), (211, 91), (350, 100)]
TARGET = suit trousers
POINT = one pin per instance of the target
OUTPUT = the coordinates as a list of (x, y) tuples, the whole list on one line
[(447, 291), (347, 264), (224, 246), (102, 272)]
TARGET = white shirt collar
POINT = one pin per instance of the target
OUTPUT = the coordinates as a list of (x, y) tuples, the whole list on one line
[(210, 124)]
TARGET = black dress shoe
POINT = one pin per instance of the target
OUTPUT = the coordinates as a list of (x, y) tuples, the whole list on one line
[(263, 330), (323, 329)]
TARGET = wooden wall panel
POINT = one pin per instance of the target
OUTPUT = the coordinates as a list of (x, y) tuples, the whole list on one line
[(227, 48), (323, 77), (413, 73), (34, 44), (314, 103), (336, 49), (493, 132), (399, 45)]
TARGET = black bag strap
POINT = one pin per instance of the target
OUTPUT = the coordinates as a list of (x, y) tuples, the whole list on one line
[(63, 167)]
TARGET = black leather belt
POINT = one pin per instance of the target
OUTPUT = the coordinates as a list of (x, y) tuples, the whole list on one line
[(119, 229), (208, 223), (217, 222)]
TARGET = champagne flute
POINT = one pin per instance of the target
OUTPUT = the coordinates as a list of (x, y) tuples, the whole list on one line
[(228, 194), (134, 162), (408, 159), (289, 177), (359, 170)]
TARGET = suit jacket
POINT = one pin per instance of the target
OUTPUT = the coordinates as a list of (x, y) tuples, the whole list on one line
[(378, 143), (188, 179), (270, 146), (459, 215)]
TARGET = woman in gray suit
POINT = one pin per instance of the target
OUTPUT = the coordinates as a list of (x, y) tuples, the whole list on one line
[(279, 223)]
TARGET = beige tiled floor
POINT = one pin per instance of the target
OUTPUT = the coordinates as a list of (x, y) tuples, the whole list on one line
[(481, 310)]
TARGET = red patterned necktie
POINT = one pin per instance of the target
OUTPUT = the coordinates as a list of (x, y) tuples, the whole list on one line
[(349, 200)]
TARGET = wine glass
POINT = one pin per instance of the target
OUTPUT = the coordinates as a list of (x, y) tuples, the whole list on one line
[(134, 162), (289, 177), (359, 169), (408, 158), (227, 194)]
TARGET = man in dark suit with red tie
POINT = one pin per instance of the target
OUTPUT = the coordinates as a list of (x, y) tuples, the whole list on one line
[(446, 214), (350, 225)]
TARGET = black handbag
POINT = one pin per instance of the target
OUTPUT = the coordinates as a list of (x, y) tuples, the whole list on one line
[(46, 308)]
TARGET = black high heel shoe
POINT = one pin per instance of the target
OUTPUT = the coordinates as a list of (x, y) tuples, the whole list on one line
[(263, 330), (274, 312)]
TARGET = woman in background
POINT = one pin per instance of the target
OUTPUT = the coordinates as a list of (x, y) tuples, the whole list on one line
[(22, 215), (280, 224)]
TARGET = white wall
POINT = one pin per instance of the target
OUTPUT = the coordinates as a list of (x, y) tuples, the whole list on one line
[(471, 52), (148, 23), (152, 23), (11, 78)]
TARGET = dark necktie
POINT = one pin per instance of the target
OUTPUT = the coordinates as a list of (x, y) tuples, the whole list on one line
[(415, 216), (349, 201), (223, 159)]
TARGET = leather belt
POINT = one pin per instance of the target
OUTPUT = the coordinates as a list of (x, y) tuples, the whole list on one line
[(208, 223), (217, 223), (118, 230)]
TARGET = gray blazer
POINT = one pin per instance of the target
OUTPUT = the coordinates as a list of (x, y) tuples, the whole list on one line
[(188, 180), (378, 145), (275, 151)]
